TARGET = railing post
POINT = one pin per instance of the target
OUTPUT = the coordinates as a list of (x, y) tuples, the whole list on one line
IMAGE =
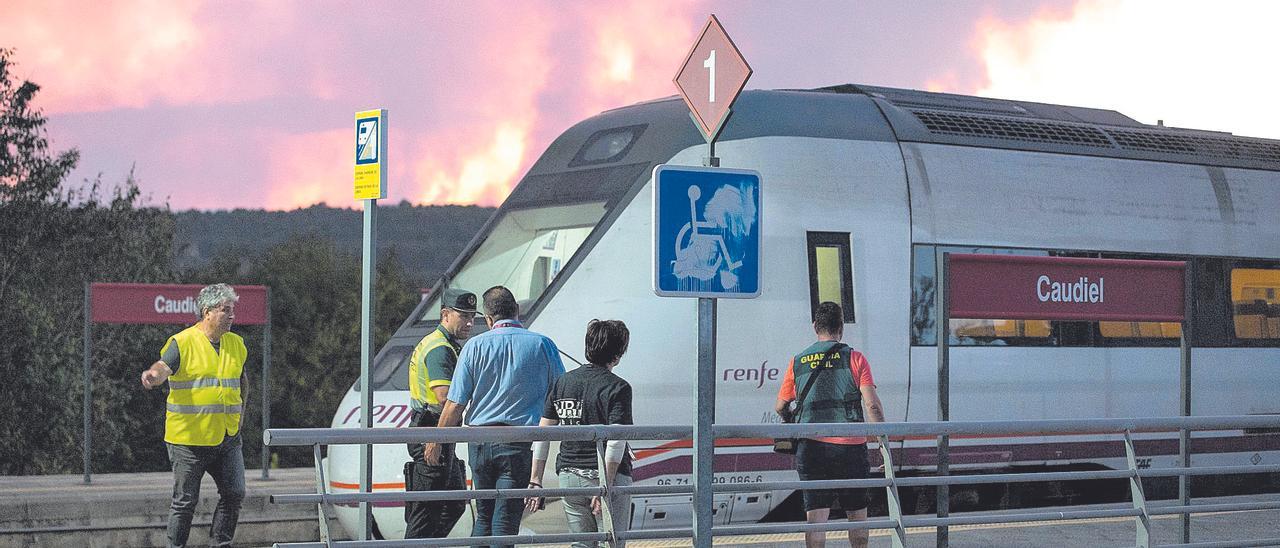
[(607, 514), (899, 538), (1184, 435), (944, 390), (1143, 520), (320, 490)]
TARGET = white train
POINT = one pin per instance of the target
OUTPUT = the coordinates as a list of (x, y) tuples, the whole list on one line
[(861, 184)]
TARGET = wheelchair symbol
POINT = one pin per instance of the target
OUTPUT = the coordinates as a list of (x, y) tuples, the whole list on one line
[(701, 252)]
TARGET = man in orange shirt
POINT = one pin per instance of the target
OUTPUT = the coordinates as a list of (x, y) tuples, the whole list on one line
[(837, 388)]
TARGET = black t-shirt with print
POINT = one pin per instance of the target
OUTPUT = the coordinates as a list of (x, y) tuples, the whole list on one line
[(588, 395)]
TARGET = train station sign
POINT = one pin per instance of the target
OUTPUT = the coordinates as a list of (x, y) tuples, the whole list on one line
[(1064, 288), (711, 77), (167, 303)]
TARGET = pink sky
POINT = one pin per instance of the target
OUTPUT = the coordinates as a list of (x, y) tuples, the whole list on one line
[(241, 104)]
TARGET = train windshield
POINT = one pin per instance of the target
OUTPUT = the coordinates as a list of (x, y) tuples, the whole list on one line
[(525, 252)]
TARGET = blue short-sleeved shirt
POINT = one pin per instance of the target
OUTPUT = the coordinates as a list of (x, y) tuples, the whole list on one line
[(505, 374)]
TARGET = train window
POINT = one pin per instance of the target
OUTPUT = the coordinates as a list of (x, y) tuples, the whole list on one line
[(525, 252), (968, 332), (1255, 300), (831, 271), (607, 146), (391, 371), (1140, 330)]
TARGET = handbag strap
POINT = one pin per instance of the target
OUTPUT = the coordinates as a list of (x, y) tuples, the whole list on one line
[(839, 347)]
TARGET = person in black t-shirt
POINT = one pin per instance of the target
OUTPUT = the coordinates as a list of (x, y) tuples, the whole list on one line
[(590, 394)]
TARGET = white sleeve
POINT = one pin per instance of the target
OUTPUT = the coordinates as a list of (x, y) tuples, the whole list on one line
[(615, 450), (541, 449)]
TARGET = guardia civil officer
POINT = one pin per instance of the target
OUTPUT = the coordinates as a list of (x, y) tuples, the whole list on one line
[(835, 386), (430, 375), (204, 365)]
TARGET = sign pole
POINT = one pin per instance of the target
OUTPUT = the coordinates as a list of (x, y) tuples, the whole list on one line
[(88, 380), (266, 390), (370, 186), (366, 355), (944, 392), (703, 439), (709, 80)]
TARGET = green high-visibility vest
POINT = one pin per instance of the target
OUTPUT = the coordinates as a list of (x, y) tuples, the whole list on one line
[(204, 403), (420, 382), (835, 396)]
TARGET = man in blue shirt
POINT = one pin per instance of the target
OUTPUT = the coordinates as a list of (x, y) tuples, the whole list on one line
[(502, 379)]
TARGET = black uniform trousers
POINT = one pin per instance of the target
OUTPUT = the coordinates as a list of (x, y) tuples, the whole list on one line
[(432, 519)]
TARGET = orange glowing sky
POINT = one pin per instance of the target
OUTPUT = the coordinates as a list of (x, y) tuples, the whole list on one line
[(219, 105)]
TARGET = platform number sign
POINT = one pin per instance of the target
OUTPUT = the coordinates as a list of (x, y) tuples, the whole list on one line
[(371, 155), (714, 70)]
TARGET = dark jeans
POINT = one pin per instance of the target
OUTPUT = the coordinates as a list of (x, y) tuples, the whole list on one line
[(432, 519), (499, 466), (817, 460), (225, 463)]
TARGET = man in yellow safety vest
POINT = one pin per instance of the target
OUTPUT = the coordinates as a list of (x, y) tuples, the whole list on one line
[(204, 365), (430, 375)]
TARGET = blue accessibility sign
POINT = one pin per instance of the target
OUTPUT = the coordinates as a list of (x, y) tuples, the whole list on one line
[(706, 232)]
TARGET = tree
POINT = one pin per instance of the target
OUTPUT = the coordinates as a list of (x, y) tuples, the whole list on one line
[(53, 240)]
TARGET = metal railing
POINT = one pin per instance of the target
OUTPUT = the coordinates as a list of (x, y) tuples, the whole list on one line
[(896, 521)]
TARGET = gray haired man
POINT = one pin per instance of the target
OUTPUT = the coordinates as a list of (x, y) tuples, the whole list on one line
[(204, 365)]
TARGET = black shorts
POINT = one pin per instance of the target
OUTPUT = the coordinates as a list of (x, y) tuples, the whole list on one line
[(817, 460)]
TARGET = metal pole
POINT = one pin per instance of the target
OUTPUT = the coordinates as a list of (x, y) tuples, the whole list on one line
[(703, 442), (88, 380), (1184, 436), (266, 390), (366, 356), (944, 391)]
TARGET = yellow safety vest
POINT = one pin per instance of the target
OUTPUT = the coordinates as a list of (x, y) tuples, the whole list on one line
[(420, 383), (204, 402)]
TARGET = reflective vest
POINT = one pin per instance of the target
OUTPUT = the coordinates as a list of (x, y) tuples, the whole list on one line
[(834, 396), (204, 402), (420, 382)]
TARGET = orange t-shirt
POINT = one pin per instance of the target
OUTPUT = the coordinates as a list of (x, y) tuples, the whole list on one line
[(861, 375)]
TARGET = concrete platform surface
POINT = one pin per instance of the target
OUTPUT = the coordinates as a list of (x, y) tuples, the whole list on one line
[(131, 510)]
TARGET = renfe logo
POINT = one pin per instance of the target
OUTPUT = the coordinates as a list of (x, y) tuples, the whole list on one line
[(1080, 291)]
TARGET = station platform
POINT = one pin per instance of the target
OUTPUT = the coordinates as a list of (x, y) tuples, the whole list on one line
[(132, 509), (117, 510), (1087, 533)]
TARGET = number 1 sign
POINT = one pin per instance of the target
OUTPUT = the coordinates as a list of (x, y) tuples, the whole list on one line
[(714, 69)]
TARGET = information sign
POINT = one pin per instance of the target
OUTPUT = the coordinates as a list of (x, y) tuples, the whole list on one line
[(711, 77), (706, 232), (371, 155)]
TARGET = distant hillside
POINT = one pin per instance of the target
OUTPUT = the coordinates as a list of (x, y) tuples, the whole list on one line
[(426, 238)]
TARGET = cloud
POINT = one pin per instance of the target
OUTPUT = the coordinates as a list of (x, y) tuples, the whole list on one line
[(309, 168), (1191, 64), (249, 105), (558, 70), (93, 56)]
